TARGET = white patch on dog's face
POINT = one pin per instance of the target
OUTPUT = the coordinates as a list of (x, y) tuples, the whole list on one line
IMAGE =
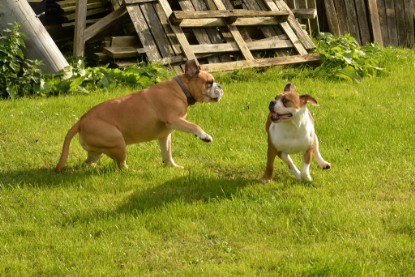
[(213, 91), (285, 106)]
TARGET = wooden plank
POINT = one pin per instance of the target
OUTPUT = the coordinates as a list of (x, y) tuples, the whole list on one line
[(219, 22), (123, 41), (391, 23), (88, 13), (79, 39), (269, 31), (143, 32), (213, 34), (409, 17), (375, 23), (302, 4), (314, 22), (352, 20), (362, 19), (123, 52), (233, 47), (180, 15), (156, 29), (175, 46), (72, 3), (236, 35), (229, 66), (134, 2), (341, 13), (401, 24), (332, 19), (306, 41), (72, 8), (177, 53), (104, 23), (305, 13), (178, 32), (287, 29), (202, 35), (383, 22)]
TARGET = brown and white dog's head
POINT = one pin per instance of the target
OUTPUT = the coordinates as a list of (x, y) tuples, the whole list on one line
[(288, 104), (201, 83)]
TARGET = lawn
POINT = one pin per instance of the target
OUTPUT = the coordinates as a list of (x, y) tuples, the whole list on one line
[(215, 218)]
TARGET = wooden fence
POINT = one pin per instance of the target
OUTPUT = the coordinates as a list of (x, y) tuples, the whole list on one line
[(387, 22)]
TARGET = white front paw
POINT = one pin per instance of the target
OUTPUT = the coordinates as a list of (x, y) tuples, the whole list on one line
[(306, 177)]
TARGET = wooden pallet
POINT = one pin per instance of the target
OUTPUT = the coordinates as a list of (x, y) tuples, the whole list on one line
[(220, 35)]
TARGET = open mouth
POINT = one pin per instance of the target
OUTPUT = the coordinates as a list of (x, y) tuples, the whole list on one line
[(278, 117)]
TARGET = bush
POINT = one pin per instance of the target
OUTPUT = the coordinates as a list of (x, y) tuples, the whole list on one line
[(77, 78), (342, 57), (18, 76)]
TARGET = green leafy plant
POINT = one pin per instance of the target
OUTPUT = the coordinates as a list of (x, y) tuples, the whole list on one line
[(77, 78), (342, 57), (18, 76)]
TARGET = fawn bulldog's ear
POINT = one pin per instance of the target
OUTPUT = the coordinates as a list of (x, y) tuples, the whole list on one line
[(305, 98), (191, 69)]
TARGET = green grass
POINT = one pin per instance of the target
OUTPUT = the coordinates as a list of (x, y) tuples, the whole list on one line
[(214, 218)]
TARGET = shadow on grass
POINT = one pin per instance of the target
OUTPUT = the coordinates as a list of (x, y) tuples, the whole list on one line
[(46, 177), (188, 189)]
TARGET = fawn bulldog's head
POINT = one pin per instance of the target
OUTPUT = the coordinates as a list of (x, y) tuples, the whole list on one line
[(201, 84)]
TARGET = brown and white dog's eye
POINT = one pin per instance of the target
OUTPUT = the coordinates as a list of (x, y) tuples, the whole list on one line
[(209, 83), (285, 101)]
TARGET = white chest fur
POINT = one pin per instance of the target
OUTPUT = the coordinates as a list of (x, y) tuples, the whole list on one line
[(294, 135)]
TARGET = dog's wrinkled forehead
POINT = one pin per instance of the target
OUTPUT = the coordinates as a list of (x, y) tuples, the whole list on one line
[(192, 69), (289, 99)]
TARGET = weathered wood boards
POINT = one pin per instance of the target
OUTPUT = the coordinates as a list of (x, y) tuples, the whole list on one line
[(216, 33), (387, 22)]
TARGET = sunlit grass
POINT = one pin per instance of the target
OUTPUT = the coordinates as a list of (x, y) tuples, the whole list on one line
[(214, 218)]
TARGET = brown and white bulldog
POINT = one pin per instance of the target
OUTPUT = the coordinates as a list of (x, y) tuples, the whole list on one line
[(150, 114), (290, 129)]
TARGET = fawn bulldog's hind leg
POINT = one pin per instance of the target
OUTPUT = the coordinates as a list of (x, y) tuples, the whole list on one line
[(93, 158)]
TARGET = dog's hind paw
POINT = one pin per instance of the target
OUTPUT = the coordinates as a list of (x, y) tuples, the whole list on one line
[(326, 166), (207, 138)]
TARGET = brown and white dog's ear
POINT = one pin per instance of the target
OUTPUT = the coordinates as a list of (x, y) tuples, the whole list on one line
[(289, 87), (305, 98), (191, 68)]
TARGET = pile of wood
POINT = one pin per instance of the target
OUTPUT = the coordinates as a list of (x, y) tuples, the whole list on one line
[(218, 34)]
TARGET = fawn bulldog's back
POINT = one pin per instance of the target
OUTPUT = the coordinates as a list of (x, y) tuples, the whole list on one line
[(149, 114)]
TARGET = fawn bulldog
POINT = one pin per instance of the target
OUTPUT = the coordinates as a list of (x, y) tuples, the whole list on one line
[(290, 129), (150, 114)]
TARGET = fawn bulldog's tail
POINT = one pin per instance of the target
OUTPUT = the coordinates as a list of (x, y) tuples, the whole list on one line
[(65, 149)]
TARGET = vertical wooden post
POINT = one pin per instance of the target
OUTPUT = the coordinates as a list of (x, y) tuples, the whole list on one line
[(80, 23), (39, 44), (374, 19)]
